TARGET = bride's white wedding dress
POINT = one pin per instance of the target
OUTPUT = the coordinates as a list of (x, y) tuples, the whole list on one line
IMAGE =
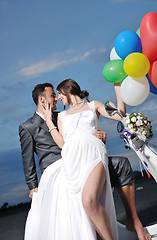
[(57, 212)]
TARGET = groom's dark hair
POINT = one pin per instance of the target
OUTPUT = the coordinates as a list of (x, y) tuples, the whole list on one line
[(38, 90)]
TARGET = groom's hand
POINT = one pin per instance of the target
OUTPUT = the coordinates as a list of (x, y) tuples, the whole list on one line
[(32, 191), (100, 134)]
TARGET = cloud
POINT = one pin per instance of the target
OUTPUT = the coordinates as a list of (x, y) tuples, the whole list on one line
[(12, 181), (15, 195), (59, 59)]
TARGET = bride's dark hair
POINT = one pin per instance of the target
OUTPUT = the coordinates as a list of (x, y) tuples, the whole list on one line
[(69, 86)]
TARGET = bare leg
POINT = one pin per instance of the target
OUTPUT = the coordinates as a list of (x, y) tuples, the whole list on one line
[(127, 194), (90, 199)]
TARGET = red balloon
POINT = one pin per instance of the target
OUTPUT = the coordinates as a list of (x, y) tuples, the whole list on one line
[(153, 73), (148, 34)]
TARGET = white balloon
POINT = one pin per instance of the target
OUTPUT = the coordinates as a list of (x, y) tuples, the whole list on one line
[(113, 54), (134, 91)]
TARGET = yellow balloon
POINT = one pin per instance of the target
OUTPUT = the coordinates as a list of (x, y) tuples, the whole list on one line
[(136, 65)]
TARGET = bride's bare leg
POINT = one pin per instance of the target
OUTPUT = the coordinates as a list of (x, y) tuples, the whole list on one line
[(90, 199)]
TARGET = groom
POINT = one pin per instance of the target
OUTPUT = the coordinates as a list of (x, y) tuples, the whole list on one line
[(36, 138)]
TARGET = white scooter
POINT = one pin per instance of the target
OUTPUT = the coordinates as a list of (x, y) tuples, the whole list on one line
[(147, 153)]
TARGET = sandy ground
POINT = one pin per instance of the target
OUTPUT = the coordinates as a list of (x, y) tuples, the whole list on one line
[(12, 226)]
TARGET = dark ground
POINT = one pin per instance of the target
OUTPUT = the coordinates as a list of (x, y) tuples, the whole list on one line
[(146, 202), (12, 220)]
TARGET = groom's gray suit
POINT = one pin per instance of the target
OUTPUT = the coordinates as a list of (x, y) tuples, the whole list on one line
[(35, 138)]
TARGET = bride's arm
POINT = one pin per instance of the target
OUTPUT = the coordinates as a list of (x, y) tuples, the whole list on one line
[(100, 107), (56, 135)]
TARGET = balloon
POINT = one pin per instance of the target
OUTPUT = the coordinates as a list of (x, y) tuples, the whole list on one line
[(113, 54), (148, 33), (153, 73), (127, 42), (153, 89), (134, 91), (136, 65), (138, 32), (113, 71)]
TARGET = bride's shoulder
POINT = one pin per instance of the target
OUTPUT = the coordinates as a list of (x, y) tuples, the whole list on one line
[(62, 115), (92, 105), (95, 103), (62, 112)]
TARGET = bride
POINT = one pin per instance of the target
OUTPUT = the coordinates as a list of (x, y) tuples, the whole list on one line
[(74, 199)]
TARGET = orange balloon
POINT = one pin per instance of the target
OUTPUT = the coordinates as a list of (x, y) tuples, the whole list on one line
[(153, 73)]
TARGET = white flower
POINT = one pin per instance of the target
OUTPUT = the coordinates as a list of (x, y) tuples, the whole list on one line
[(127, 121), (139, 117), (138, 123), (132, 131), (130, 126), (133, 119)]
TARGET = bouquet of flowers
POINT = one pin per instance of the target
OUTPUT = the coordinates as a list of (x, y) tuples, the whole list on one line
[(137, 123)]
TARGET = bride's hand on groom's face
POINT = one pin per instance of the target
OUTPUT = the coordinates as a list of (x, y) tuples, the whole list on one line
[(47, 111)]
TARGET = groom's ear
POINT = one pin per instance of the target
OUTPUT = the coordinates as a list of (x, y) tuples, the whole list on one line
[(41, 100)]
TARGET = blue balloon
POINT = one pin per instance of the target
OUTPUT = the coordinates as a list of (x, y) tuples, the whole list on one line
[(126, 43), (153, 89)]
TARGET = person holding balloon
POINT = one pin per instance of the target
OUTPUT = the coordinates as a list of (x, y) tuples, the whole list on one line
[(134, 61), (131, 67)]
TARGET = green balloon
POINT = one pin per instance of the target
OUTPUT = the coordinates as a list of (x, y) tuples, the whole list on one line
[(138, 32), (114, 71)]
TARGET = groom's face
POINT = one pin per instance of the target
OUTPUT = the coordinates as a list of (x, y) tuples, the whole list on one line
[(50, 97)]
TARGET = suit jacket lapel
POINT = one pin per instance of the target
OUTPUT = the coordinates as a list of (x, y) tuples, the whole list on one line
[(40, 122)]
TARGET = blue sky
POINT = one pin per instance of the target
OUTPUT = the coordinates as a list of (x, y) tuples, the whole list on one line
[(49, 41)]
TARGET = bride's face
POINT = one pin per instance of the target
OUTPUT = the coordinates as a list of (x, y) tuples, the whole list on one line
[(62, 97)]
